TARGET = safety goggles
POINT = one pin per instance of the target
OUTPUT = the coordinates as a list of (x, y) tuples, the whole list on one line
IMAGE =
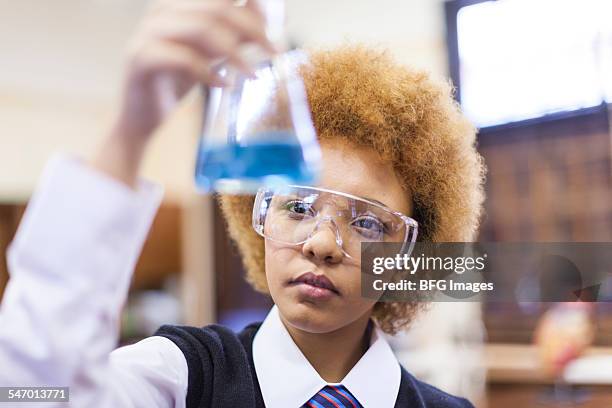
[(293, 214)]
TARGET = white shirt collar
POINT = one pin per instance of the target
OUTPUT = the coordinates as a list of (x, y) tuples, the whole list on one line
[(287, 379)]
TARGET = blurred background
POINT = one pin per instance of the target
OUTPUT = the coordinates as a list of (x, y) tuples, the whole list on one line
[(534, 75)]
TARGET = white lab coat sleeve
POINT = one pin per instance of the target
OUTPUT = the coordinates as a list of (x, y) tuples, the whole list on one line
[(70, 267)]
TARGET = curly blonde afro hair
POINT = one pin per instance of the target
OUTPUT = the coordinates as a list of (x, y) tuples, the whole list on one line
[(361, 96)]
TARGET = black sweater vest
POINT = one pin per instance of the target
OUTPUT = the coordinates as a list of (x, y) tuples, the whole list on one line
[(222, 372)]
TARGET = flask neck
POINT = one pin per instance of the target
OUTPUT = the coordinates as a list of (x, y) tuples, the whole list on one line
[(275, 14)]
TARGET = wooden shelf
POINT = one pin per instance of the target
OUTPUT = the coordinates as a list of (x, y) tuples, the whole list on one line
[(518, 363)]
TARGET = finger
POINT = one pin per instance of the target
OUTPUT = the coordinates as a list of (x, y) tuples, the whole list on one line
[(212, 41), (255, 7), (232, 50), (163, 6), (249, 25), (188, 66)]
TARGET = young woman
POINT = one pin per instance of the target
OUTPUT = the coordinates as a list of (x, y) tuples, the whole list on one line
[(396, 152)]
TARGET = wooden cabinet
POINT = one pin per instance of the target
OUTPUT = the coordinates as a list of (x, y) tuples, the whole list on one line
[(161, 255), (514, 379)]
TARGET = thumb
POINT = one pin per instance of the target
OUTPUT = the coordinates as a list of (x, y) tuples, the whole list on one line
[(256, 6)]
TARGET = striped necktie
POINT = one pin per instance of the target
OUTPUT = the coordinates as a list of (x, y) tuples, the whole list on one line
[(333, 396)]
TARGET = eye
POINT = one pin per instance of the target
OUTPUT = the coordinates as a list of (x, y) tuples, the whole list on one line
[(298, 209), (369, 226)]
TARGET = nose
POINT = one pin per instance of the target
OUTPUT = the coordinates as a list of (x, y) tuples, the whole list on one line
[(323, 245)]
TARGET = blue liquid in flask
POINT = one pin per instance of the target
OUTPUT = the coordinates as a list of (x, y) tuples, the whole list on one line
[(245, 168)]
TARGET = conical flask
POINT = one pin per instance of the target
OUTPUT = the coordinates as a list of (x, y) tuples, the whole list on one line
[(258, 131)]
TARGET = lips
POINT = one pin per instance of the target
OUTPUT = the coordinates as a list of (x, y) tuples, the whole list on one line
[(318, 281)]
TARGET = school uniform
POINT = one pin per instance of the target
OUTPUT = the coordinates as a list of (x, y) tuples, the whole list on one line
[(263, 367), (71, 264)]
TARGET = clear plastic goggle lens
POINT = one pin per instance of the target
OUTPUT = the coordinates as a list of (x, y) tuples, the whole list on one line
[(294, 214)]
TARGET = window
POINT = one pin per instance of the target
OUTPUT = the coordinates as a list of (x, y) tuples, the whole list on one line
[(521, 59)]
